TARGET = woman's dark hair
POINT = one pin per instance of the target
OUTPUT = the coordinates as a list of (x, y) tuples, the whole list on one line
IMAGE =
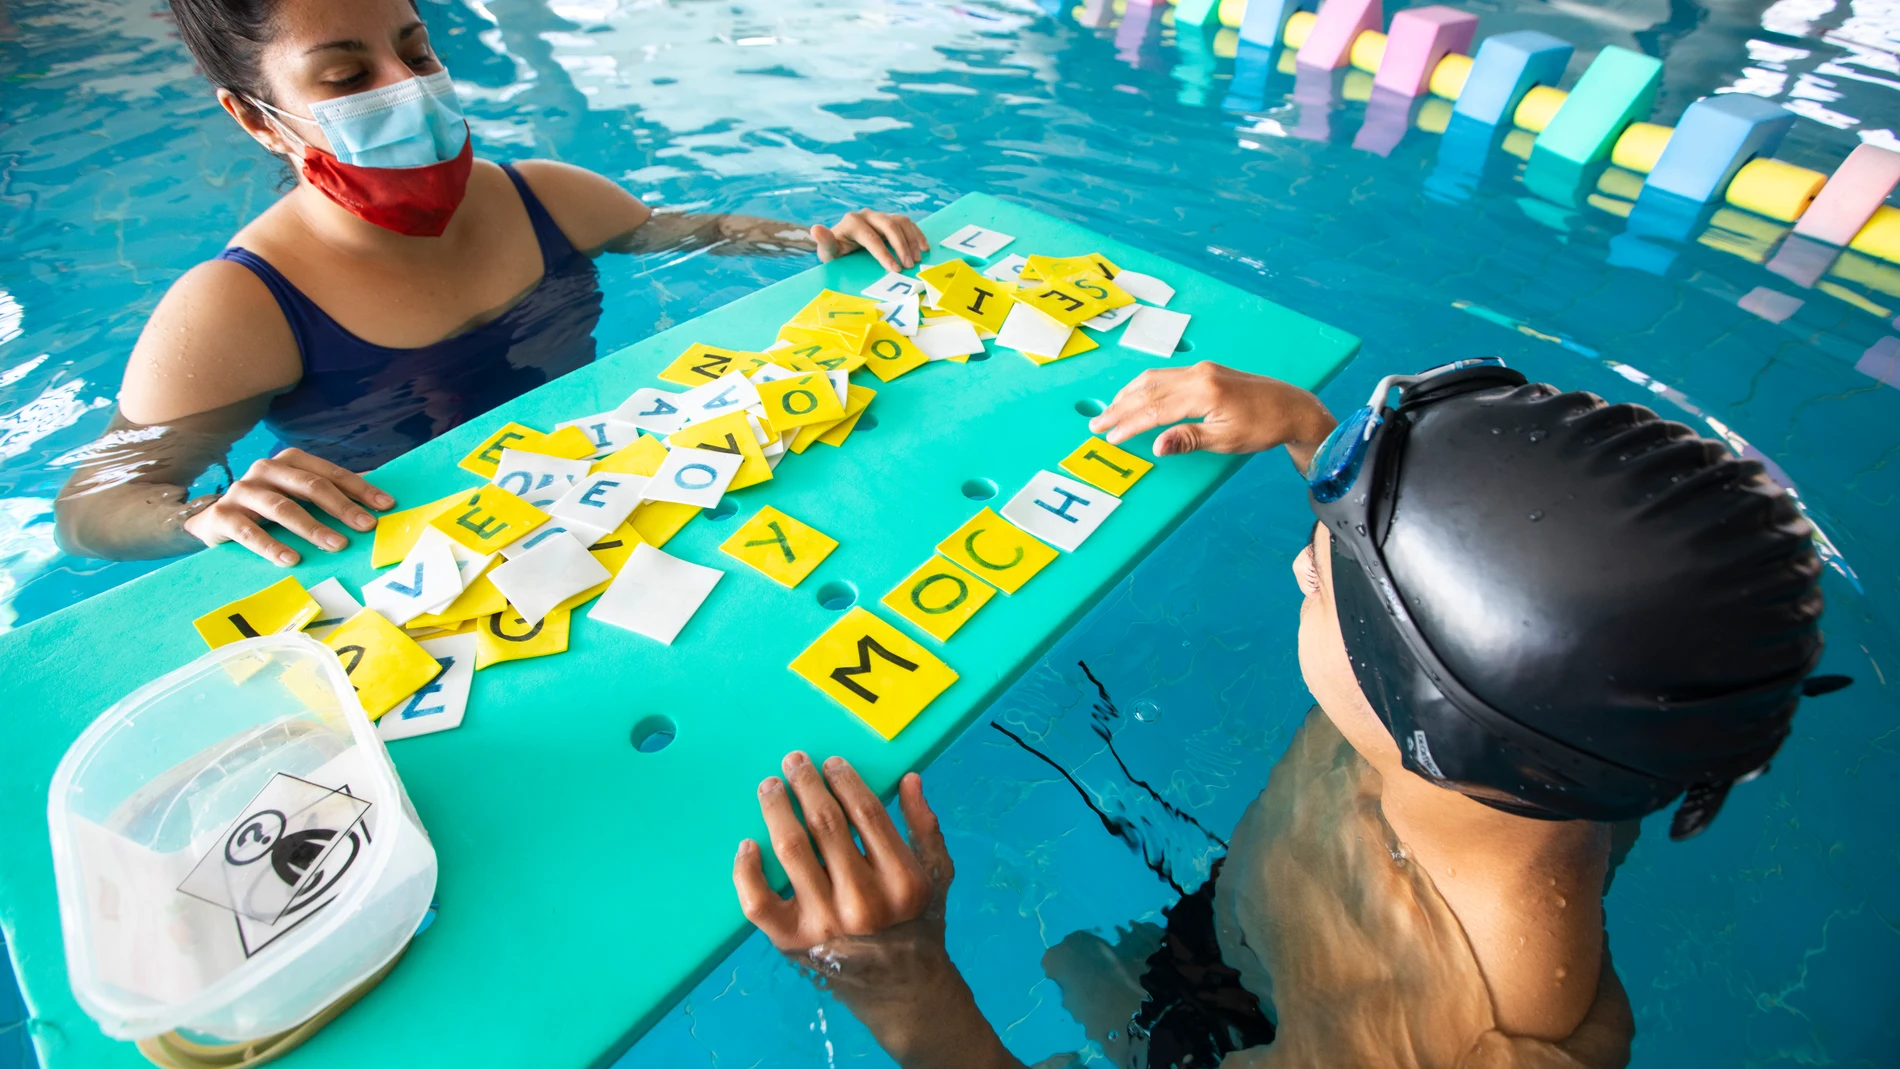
[(225, 37)]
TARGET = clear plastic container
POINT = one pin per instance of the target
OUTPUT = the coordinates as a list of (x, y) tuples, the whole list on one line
[(234, 851)]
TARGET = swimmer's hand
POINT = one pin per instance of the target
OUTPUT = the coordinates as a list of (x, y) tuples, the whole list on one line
[(1227, 411), (893, 240), (271, 490), (868, 921)]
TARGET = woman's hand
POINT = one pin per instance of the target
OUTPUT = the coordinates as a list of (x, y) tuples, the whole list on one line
[(893, 240), (1237, 413), (271, 490), (869, 921)]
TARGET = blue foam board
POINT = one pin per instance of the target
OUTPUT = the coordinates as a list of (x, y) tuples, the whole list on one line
[(1715, 137), (1505, 68)]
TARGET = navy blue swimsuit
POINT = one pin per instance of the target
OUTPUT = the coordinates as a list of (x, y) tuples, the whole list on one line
[(361, 405)]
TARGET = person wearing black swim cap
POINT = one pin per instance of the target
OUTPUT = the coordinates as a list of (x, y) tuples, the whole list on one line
[(1531, 618)]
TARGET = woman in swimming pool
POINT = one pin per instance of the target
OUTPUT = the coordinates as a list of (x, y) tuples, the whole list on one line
[(399, 289)]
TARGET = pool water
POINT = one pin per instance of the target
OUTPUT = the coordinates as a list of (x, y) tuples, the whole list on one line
[(1772, 939)]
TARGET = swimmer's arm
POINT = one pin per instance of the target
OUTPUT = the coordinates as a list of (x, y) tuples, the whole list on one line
[(1225, 411), (128, 497), (870, 918), (598, 216)]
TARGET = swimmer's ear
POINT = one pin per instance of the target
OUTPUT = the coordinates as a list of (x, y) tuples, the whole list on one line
[(1815, 686)]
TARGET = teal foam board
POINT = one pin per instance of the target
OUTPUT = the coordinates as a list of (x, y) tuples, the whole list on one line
[(585, 886), (1618, 88)]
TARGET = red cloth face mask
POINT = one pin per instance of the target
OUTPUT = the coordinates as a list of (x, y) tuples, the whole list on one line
[(417, 201)]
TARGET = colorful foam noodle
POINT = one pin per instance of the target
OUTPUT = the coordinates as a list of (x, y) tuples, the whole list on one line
[(1264, 19), (1506, 67), (1328, 44), (1851, 197), (1619, 87), (1716, 136), (1418, 39)]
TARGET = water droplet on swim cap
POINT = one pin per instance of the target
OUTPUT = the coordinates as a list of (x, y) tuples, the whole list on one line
[(1536, 514)]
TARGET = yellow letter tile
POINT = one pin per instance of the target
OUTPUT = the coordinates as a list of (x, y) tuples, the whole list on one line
[(616, 546), (781, 547), (700, 364), (939, 597), (1105, 466), (874, 670), (641, 457), (505, 636), (488, 519), (282, 606), (891, 354), (484, 458), (396, 533), (800, 401), (1079, 342), (982, 301), (656, 522), (997, 551), (1071, 300), (568, 443), (481, 598), (730, 433), (384, 665), (857, 399)]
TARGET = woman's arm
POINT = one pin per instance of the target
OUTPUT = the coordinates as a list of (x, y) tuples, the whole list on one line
[(211, 357), (868, 921), (598, 216)]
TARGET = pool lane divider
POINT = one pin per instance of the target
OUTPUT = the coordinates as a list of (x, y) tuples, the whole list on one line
[(1722, 150)]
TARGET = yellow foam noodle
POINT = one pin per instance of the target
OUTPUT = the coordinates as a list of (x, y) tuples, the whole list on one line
[(700, 364), (488, 519), (1298, 25), (1231, 13), (1289, 61), (1519, 143), (730, 433), (1618, 208), (384, 665), (507, 636), (1368, 51), (1620, 183), (1640, 145), (396, 533), (890, 354), (1881, 236), (857, 399), (484, 458), (642, 456), (997, 551), (1105, 466), (1775, 189), (939, 598), (1538, 107), (282, 606), (1434, 115), (782, 548), (656, 522), (1857, 268), (801, 401), (880, 674), (1842, 293), (1448, 78), (1356, 86)]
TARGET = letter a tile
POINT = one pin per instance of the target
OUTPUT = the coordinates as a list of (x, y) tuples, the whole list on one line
[(874, 670)]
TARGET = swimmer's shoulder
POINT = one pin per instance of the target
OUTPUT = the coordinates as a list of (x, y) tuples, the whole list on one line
[(590, 209), (216, 338)]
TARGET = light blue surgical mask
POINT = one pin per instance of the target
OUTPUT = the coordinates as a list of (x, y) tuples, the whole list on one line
[(413, 123)]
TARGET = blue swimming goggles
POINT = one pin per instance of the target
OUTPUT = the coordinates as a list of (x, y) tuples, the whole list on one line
[(1336, 463)]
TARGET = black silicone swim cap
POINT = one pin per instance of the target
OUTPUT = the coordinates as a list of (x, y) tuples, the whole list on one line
[(1572, 609)]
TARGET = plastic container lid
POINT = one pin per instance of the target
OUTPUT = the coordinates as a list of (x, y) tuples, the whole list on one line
[(233, 848)]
